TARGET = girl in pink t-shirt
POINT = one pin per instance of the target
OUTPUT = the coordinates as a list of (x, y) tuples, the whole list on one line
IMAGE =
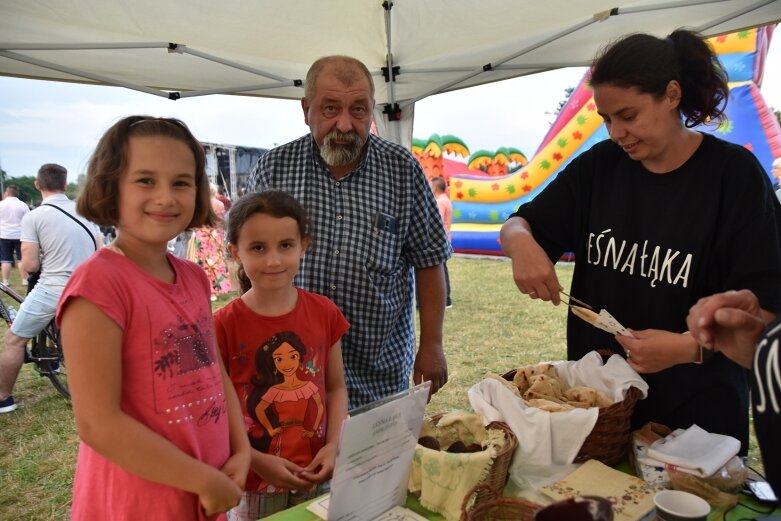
[(282, 348), (161, 431)]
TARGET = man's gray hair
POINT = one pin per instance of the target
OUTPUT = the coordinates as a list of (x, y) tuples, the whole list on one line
[(346, 68)]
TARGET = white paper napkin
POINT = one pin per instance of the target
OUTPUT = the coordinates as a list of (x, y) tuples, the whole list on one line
[(694, 450)]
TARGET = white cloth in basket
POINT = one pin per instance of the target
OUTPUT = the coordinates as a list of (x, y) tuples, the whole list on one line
[(546, 438)]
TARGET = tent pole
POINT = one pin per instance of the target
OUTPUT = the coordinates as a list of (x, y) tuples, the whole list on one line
[(170, 47), (735, 14), (80, 46), (490, 66), (597, 17), (393, 126), (233, 65), (82, 74), (239, 88)]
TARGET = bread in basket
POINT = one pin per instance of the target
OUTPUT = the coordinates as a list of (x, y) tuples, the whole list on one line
[(577, 433)]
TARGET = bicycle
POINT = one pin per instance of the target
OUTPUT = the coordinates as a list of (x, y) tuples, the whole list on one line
[(45, 350)]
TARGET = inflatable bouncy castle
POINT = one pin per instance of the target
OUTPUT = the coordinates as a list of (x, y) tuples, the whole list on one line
[(497, 164), (431, 154), (483, 163), (481, 204)]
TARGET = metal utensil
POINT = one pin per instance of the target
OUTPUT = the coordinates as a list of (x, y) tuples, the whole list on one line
[(577, 302), (580, 309), (602, 320)]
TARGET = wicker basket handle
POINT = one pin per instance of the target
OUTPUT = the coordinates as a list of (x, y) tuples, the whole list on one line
[(480, 488)]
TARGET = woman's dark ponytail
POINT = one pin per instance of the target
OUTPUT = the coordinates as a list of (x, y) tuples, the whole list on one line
[(649, 64), (703, 80)]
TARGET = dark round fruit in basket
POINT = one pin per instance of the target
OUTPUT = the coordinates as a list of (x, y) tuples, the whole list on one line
[(474, 447), (430, 442), (457, 447)]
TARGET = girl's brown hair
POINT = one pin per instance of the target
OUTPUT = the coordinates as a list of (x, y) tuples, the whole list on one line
[(275, 203), (98, 201)]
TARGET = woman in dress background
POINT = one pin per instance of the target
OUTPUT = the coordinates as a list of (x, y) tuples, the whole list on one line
[(207, 249)]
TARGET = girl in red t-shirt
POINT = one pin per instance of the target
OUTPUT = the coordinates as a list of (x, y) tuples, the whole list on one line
[(160, 425), (282, 348)]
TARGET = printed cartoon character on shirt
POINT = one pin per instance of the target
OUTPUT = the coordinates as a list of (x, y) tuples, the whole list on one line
[(289, 408)]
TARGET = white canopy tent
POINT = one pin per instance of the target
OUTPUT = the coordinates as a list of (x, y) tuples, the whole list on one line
[(414, 48)]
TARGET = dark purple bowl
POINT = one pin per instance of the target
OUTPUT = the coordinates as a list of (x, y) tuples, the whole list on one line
[(580, 508)]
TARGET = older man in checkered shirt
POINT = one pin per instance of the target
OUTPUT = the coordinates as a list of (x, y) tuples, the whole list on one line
[(377, 231)]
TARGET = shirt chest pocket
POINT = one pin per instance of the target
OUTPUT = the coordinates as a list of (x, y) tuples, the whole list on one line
[(383, 249)]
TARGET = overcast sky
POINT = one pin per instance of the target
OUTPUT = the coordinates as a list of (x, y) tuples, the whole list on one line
[(51, 122)]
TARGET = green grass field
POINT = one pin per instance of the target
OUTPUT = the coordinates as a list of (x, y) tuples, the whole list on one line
[(491, 328)]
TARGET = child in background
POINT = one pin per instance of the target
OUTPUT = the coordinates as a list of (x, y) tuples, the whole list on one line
[(160, 426), (282, 348)]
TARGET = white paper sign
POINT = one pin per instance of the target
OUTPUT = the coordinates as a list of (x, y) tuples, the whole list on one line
[(375, 456)]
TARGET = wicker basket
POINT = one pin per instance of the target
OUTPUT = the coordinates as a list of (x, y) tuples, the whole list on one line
[(490, 505), (610, 438), (497, 476)]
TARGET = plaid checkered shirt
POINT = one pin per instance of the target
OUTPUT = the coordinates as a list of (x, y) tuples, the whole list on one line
[(371, 228)]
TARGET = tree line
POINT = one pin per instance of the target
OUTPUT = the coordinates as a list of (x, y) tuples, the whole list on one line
[(27, 191)]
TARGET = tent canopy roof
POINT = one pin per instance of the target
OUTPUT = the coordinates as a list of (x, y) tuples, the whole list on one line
[(264, 48)]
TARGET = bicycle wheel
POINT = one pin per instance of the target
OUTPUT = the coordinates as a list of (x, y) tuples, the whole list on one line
[(44, 351), (47, 356), (8, 299)]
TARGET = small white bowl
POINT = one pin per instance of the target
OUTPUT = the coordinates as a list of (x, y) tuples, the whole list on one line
[(676, 505)]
